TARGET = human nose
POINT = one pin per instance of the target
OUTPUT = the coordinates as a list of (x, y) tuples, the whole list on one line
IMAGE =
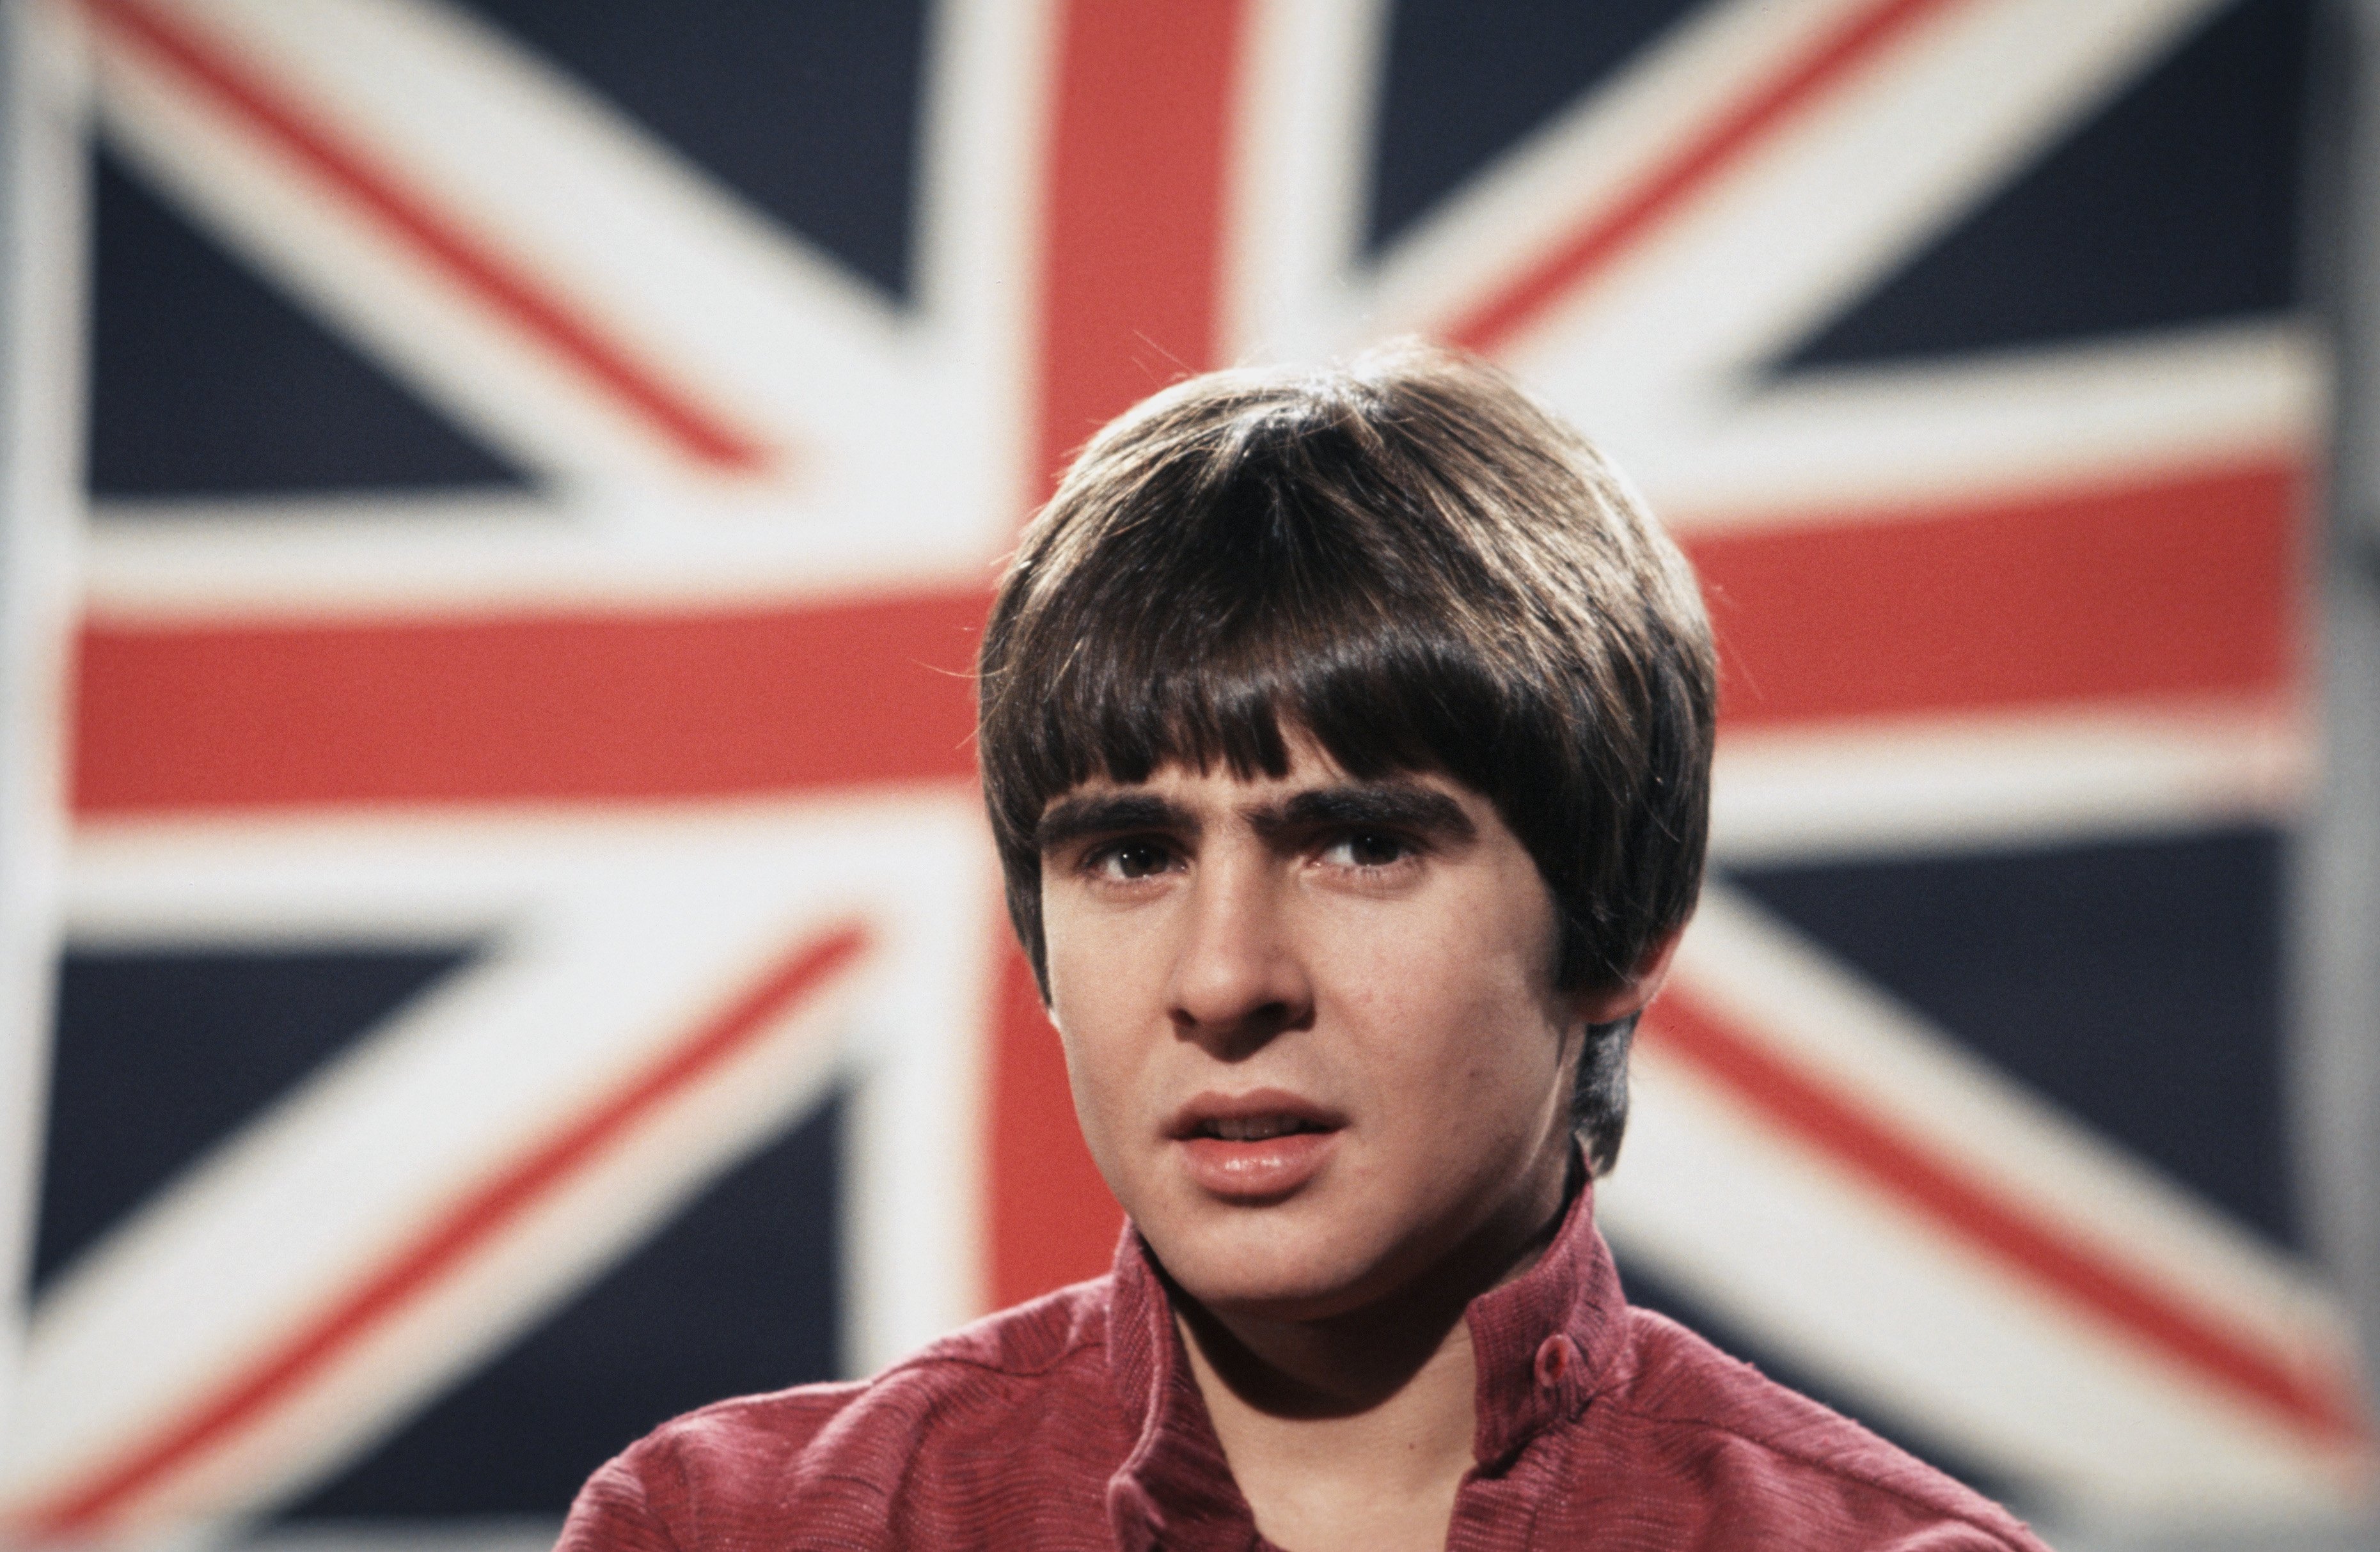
[(1238, 978)]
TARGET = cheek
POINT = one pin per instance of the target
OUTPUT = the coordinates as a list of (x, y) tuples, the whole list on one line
[(1078, 995), (1095, 1016), (1472, 1023), (1469, 1023), (1099, 1083)]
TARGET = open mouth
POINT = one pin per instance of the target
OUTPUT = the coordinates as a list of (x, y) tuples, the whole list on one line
[(1261, 1146), (1253, 1116), (1256, 1129)]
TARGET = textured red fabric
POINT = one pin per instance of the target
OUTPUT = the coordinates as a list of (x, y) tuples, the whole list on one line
[(1073, 1422)]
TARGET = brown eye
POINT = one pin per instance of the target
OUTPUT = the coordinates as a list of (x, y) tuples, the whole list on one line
[(1130, 859), (1368, 848)]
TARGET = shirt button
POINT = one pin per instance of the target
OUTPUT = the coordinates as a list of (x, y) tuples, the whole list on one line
[(1556, 1355)]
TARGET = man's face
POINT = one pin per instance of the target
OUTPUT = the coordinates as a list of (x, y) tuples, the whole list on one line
[(1311, 1025)]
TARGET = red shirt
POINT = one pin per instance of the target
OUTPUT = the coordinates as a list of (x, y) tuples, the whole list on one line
[(1074, 1421)]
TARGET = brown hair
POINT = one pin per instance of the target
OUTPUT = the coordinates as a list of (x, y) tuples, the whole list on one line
[(1420, 566)]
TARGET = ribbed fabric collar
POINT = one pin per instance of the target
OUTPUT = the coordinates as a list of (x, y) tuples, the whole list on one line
[(1541, 1341)]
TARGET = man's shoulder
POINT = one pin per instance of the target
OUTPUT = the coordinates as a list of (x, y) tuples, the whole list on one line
[(1761, 1449), (737, 1467), (1051, 1349)]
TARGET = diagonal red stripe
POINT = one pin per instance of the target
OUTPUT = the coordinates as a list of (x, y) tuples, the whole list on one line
[(413, 219), (415, 1267), (2042, 1253), (1492, 324), (575, 708)]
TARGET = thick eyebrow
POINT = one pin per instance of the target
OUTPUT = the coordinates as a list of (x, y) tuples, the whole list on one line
[(1071, 818), (1404, 805)]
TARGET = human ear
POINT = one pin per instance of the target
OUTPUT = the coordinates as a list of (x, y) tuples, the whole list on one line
[(1607, 1004)]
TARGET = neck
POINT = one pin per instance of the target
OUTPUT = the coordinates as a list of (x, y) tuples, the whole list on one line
[(1356, 1429)]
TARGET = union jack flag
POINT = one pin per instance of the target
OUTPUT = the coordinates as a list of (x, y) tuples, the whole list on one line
[(498, 909)]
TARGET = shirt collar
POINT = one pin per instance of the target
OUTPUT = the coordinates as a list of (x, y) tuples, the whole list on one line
[(1542, 1342), (1175, 1488)]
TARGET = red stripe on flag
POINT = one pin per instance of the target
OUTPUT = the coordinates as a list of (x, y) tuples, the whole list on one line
[(1662, 191), (415, 1267), (433, 237), (2185, 586), (1131, 273), (1133, 232), (1053, 1220), (2042, 1252), (565, 708)]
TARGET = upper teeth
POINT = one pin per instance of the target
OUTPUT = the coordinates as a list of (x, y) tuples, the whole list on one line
[(1254, 1129)]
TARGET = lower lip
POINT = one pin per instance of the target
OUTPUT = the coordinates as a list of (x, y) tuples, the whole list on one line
[(1256, 1170)]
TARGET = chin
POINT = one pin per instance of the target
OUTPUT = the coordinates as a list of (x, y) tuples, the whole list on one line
[(1293, 1296), (1271, 1270)]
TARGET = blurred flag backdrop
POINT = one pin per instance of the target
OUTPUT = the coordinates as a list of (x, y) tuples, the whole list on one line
[(510, 489)]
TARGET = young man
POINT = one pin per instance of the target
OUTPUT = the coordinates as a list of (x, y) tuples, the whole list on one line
[(1347, 742)]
